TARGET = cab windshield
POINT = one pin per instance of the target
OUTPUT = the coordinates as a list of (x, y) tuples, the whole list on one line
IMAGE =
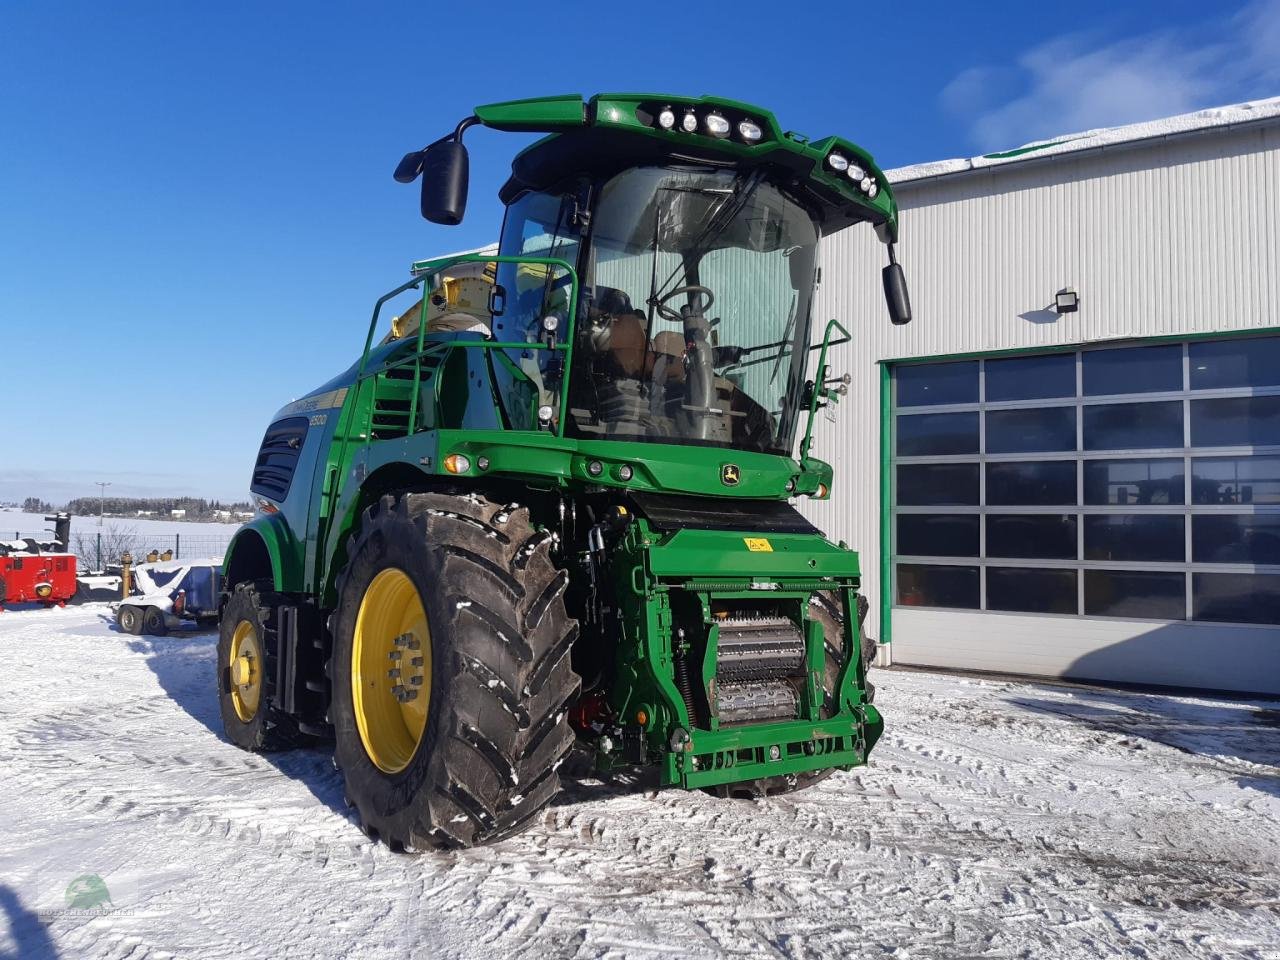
[(695, 311)]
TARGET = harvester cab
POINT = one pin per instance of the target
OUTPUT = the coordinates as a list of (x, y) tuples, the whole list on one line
[(551, 505)]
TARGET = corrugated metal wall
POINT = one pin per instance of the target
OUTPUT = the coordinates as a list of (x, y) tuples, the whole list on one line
[(1168, 237)]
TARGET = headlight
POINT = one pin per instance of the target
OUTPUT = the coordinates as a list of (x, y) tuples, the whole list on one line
[(457, 463), (873, 190), (667, 119), (689, 123), (866, 184), (717, 125), (750, 131), (837, 162), (856, 173)]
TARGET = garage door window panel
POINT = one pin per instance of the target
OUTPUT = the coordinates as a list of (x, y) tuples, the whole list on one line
[(938, 383), (1031, 378), (1133, 426), (1236, 597), (937, 434), (1032, 536), (1134, 482), (1038, 430), (925, 585), (1132, 370), (938, 484), (1236, 422), (938, 535), (1034, 483), (1135, 593), (1236, 538), (1025, 590), (1235, 480), (1223, 364), (1135, 537), (1130, 481)]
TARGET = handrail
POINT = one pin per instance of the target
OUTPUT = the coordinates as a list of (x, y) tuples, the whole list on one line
[(819, 383), (425, 272)]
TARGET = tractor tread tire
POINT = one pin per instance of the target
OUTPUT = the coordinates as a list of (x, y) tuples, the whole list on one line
[(826, 608), (269, 729), (501, 680)]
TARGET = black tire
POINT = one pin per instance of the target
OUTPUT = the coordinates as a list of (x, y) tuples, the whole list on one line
[(129, 619), (501, 681), (824, 607), (267, 728), (153, 622)]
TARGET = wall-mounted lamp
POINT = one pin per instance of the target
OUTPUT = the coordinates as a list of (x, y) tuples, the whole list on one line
[(1066, 300)]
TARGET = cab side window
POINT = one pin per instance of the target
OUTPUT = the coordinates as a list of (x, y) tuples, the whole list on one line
[(278, 458)]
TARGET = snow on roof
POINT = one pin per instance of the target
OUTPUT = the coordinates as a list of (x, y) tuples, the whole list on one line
[(1227, 116)]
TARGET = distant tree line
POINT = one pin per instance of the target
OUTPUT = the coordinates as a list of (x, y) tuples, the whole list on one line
[(36, 505), (197, 508)]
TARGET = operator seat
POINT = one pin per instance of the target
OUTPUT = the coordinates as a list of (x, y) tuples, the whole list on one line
[(459, 303)]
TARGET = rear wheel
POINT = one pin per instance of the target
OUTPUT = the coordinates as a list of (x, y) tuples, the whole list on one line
[(130, 619), (153, 622), (450, 672), (246, 674), (826, 608)]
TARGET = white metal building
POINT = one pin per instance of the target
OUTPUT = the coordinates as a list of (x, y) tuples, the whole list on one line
[(1092, 494)]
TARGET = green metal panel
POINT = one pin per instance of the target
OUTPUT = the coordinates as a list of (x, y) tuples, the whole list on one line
[(535, 114), (283, 549), (886, 510), (620, 111)]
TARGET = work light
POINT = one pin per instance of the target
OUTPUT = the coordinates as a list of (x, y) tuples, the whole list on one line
[(750, 131), (667, 119), (717, 125), (689, 123), (837, 162)]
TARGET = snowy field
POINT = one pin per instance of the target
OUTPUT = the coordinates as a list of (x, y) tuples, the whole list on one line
[(996, 819)]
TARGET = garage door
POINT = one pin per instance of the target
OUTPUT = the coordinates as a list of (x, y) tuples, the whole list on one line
[(1108, 512)]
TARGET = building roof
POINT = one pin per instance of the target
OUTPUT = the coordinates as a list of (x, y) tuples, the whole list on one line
[(1103, 137)]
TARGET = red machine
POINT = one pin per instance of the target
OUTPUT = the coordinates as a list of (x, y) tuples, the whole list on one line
[(32, 572)]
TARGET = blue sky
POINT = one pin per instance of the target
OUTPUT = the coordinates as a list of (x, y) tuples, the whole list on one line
[(196, 203)]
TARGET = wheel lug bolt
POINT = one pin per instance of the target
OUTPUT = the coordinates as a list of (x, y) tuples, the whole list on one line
[(416, 661), (395, 654), (416, 681), (393, 673)]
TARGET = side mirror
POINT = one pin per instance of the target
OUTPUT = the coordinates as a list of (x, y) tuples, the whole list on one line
[(445, 173), (895, 294)]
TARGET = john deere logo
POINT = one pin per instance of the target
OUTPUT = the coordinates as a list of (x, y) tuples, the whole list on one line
[(87, 893), (730, 474)]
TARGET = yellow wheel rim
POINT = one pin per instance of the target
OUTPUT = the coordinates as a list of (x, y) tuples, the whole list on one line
[(391, 670), (246, 670)]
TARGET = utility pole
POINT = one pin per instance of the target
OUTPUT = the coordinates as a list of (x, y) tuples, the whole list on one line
[(102, 498)]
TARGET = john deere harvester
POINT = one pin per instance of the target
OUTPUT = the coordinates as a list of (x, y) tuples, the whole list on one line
[(550, 502)]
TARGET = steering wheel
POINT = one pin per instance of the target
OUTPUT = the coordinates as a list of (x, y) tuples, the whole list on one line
[(668, 314)]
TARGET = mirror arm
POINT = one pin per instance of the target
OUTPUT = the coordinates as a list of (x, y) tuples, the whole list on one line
[(462, 127)]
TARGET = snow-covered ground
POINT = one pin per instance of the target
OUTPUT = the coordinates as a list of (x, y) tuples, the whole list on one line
[(997, 819)]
